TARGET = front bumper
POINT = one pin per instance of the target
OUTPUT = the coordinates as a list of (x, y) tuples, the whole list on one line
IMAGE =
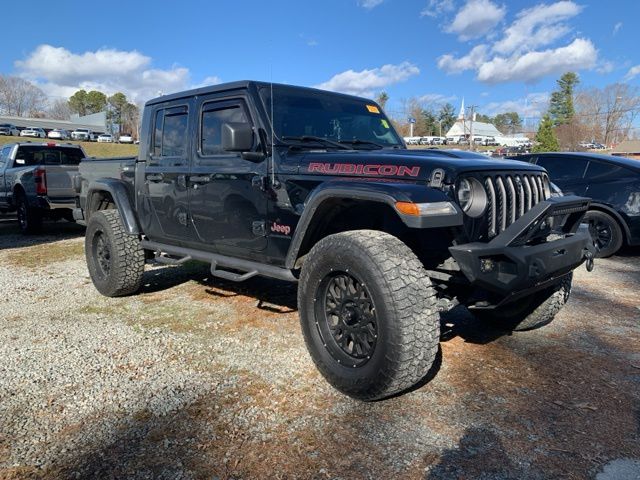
[(539, 248)]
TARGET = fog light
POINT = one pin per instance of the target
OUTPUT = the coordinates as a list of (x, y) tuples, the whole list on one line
[(487, 265)]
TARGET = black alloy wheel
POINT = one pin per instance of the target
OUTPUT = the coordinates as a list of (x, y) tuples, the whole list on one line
[(347, 319), (102, 253)]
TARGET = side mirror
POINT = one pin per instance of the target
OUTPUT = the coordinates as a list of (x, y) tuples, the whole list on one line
[(237, 137)]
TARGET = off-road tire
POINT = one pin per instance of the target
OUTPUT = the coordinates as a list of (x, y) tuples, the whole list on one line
[(115, 259), (534, 311), (604, 224), (29, 218), (407, 321)]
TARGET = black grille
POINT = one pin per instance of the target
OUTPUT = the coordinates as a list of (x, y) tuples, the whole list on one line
[(510, 196)]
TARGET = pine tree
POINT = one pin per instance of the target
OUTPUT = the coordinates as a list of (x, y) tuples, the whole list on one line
[(561, 103), (546, 140)]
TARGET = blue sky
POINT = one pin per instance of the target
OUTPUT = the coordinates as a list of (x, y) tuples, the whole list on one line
[(499, 55)]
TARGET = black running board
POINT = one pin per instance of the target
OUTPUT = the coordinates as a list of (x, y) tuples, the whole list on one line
[(218, 262)]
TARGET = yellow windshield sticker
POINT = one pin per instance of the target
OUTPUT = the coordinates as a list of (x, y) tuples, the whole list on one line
[(384, 123), (373, 109)]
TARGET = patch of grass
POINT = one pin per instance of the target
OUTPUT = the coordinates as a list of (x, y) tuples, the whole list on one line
[(93, 149), (38, 256)]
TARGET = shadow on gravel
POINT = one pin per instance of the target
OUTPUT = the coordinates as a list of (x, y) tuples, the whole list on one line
[(480, 454), (459, 322), (11, 237), (271, 295)]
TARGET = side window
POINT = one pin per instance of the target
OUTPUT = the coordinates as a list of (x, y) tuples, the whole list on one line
[(602, 172), (170, 132), (215, 114), (563, 168)]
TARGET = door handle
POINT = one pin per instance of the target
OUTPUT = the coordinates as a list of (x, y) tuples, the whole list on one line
[(155, 177), (200, 179)]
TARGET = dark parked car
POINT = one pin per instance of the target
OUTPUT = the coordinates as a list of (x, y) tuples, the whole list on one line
[(614, 185)]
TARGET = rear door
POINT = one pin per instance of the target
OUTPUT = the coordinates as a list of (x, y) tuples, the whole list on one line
[(227, 205), (164, 193), (566, 172)]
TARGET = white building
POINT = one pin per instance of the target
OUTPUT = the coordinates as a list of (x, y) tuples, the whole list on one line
[(467, 128)]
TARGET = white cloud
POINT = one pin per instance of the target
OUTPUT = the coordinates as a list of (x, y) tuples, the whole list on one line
[(476, 19), (437, 7), (60, 72), (537, 26), (369, 4), (617, 27), (367, 82), (470, 61), (632, 73), (436, 98), (531, 106), (532, 66)]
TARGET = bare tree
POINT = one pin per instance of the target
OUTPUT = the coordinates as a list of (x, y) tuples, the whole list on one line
[(59, 110), (19, 97), (607, 114)]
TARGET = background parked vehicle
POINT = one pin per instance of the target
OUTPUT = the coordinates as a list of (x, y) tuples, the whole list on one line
[(613, 183), (36, 181), (105, 138), (59, 134), (83, 134), (35, 132), (9, 129), (125, 138)]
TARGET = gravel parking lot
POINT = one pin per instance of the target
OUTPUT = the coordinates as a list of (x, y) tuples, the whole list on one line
[(201, 378)]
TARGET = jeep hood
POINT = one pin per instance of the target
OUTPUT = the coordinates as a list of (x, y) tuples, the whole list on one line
[(400, 164)]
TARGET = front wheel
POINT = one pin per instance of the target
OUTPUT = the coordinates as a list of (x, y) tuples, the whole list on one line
[(606, 232), (533, 311), (368, 314), (115, 259)]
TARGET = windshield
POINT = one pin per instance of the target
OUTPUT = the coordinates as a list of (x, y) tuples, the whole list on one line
[(354, 122)]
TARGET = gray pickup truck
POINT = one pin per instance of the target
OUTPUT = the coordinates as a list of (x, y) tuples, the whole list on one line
[(36, 181)]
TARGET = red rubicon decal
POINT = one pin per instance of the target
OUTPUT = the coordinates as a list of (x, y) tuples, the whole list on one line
[(286, 229), (371, 170)]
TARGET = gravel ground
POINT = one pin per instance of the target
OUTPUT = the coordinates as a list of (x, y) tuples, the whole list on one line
[(199, 378)]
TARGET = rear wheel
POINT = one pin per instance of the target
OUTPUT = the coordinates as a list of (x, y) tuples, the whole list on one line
[(606, 232), (29, 218), (115, 259), (368, 314), (533, 311)]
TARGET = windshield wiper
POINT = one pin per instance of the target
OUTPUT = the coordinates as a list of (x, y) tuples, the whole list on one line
[(323, 141), (357, 141)]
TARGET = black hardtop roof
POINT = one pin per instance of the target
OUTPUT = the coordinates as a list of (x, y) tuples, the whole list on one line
[(223, 87), (620, 161)]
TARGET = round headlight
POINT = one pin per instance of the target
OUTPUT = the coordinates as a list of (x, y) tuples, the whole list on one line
[(471, 196)]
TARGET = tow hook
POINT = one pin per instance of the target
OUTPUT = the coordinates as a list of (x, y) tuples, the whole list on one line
[(589, 263)]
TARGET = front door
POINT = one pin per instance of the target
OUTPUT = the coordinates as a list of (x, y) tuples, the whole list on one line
[(566, 172), (165, 192), (227, 204)]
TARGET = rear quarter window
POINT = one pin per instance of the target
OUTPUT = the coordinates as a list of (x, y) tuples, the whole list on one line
[(43, 155)]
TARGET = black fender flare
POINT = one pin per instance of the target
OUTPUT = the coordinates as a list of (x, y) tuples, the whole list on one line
[(121, 198), (382, 192)]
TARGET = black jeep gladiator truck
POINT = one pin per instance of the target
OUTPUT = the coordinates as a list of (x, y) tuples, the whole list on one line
[(318, 188), (36, 181)]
